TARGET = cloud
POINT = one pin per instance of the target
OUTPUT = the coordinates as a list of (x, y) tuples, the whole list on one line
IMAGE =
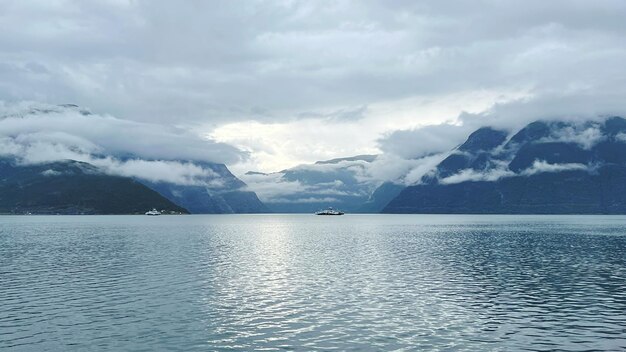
[(316, 80), (499, 169), (304, 200), (159, 60), (424, 140), (272, 186), (469, 175), (51, 172), (277, 146), (576, 106), (348, 178), (391, 167), (583, 112), (498, 172), (29, 123), (37, 133), (540, 166), (178, 172), (584, 136), (356, 166), (423, 167), (341, 179), (341, 115), (181, 173)]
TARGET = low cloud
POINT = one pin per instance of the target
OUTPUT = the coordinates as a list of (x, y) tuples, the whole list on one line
[(423, 167), (181, 173), (178, 172), (304, 200), (304, 183), (421, 141), (50, 172), (469, 175), (585, 136), (269, 187), (393, 168), (576, 106), (28, 122), (540, 166), (621, 137), (582, 109), (361, 178), (37, 133), (494, 174)]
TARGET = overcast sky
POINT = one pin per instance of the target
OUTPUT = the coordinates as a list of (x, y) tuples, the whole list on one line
[(288, 82)]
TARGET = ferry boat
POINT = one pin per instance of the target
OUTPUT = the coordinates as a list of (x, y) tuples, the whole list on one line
[(329, 211), (153, 212)]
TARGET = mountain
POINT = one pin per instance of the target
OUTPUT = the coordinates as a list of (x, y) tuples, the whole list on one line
[(308, 188), (365, 157), (168, 160), (381, 197), (220, 192), (72, 187), (547, 167)]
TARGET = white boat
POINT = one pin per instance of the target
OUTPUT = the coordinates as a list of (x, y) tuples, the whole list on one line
[(153, 212), (329, 211)]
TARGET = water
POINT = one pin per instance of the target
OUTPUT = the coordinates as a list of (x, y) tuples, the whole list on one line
[(300, 282)]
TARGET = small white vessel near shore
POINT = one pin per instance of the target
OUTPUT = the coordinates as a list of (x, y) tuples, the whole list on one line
[(153, 212), (329, 211)]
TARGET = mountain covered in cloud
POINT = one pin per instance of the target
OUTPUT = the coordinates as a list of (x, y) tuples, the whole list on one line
[(184, 168), (358, 184), (564, 166), (72, 187), (343, 183), (218, 192), (547, 167)]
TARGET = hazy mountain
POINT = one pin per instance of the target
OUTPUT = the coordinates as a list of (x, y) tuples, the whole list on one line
[(176, 163), (220, 192), (546, 167), (74, 187), (71, 187), (379, 199), (364, 157), (339, 183)]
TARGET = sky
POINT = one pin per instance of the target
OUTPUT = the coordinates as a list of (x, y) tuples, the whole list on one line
[(267, 85)]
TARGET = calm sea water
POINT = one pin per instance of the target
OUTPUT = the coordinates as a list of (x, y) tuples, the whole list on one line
[(301, 282)]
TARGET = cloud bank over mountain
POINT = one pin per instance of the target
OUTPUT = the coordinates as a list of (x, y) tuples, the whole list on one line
[(38, 133), (348, 183), (548, 146), (565, 143), (549, 166)]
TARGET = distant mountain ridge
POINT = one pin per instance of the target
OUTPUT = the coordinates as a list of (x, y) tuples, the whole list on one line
[(310, 187), (72, 187), (364, 157), (222, 193), (547, 167), (41, 135)]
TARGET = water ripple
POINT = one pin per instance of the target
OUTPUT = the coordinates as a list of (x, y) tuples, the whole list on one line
[(384, 282)]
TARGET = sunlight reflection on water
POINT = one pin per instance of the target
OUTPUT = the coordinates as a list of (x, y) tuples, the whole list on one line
[(357, 282)]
